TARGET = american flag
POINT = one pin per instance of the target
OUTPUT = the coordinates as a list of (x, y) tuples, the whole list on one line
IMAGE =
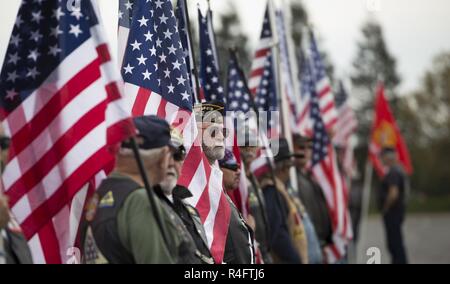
[(323, 87), (266, 100), (345, 127), (157, 82), (241, 103), (286, 76), (238, 100), (181, 14), (303, 118), (262, 87), (263, 51), (154, 68), (326, 172), (209, 73), (60, 104), (125, 18), (265, 95)]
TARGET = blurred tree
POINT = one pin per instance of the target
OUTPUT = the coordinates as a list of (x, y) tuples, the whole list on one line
[(373, 62), (228, 35), (299, 18), (426, 126)]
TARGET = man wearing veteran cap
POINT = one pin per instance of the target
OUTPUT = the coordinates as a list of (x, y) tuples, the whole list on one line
[(209, 117), (240, 235), (119, 225), (310, 193), (257, 206), (287, 236), (174, 198)]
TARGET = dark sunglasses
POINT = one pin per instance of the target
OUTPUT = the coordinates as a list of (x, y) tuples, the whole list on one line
[(5, 142), (214, 130), (179, 154), (233, 168)]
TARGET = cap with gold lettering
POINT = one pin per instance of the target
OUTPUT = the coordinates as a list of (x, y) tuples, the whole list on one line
[(209, 111)]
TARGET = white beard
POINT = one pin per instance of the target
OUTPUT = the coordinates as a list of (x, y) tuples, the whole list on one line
[(168, 184)]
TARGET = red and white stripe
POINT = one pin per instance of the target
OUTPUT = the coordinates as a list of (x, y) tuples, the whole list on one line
[(345, 128), (326, 103), (264, 157), (259, 60), (304, 123), (345, 125), (60, 138), (336, 194), (240, 195), (205, 183)]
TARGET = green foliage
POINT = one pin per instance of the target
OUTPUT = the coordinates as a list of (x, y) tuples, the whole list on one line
[(299, 16), (230, 35), (425, 120), (372, 63)]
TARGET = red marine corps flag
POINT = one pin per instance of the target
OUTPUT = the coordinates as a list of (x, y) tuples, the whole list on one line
[(385, 133)]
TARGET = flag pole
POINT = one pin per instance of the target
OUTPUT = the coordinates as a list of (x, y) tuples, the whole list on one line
[(365, 208), (212, 35), (292, 54), (148, 189), (282, 101), (2, 247), (194, 69)]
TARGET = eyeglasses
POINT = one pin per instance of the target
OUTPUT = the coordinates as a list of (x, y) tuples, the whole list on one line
[(179, 154), (4, 142), (233, 168)]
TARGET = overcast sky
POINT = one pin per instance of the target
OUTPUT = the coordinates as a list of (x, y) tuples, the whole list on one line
[(415, 30)]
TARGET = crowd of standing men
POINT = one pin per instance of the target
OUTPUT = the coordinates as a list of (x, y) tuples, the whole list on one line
[(286, 224)]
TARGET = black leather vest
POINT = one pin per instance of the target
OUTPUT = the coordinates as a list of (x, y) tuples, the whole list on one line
[(107, 202)]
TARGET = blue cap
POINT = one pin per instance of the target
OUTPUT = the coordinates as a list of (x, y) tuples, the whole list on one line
[(154, 131), (229, 161)]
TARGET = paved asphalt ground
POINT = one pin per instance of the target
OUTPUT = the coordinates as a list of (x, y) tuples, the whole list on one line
[(427, 238)]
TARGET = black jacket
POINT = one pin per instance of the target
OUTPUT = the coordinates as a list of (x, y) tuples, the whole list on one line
[(16, 247), (316, 206), (239, 244), (191, 221)]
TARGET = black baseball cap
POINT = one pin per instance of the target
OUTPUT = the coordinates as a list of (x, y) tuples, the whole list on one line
[(229, 161)]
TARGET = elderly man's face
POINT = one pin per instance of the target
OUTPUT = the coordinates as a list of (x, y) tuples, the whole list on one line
[(172, 175), (248, 154), (213, 139), (157, 163)]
